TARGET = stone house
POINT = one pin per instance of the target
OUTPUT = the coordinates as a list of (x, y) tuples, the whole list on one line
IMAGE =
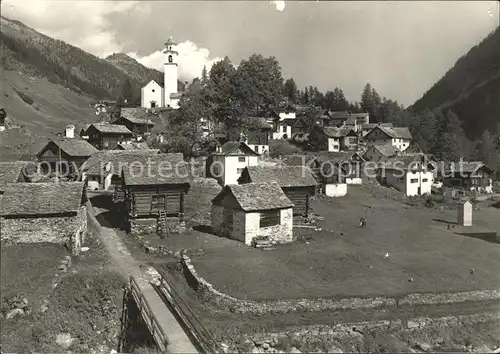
[(137, 120), (297, 182), (334, 139), (154, 193), (72, 153), (44, 213), (244, 212), (229, 160), (472, 176), (105, 136), (400, 137), (103, 169), (341, 167)]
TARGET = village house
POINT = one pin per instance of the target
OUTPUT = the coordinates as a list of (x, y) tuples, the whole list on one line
[(408, 175), (399, 137), (297, 182), (334, 139), (102, 170), (71, 153), (282, 129), (83, 131), (105, 136), (256, 136), (44, 213), (154, 195), (341, 167), (251, 211), (152, 95), (381, 152), (366, 128), (137, 120), (227, 163), (466, 175)]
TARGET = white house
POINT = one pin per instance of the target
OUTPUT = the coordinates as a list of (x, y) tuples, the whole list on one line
[(399, 137), (408, 176), (69, 132), (282, 128), (249, 211), (153, 94), (229, 161)]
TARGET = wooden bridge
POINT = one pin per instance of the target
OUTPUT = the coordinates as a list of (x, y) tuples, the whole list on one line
[(172, 324)]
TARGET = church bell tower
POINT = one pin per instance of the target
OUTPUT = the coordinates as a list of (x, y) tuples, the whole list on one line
[(171, 72)]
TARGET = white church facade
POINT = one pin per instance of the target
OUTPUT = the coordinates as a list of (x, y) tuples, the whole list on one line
[(153, 95)]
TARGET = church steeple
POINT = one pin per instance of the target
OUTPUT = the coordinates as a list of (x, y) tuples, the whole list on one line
[(171, 73)]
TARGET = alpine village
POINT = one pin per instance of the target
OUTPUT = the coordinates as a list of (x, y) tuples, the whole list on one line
[(288, 219)]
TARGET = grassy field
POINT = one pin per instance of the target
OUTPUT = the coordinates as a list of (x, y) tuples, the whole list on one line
[(86, 303), (343, 260)]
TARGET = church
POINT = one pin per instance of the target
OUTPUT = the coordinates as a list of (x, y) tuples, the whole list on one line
[(153, 95)]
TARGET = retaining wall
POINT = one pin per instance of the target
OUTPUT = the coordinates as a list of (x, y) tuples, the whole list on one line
[(211, 295)]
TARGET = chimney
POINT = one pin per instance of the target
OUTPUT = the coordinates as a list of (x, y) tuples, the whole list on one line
[(69, 132)]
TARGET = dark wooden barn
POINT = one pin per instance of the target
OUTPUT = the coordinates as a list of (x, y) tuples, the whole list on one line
[(70, 152), (155, 193), (105, 136), (297, 182), (137, 120)]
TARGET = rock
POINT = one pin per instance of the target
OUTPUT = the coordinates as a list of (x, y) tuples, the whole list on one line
[(13, 313), (84, 249), (334, 350), (423, 346), (412, 324), (64, 340), (256, 350), (62, 267), (294, 350), (483, 349), (43, 308), (265, 345)]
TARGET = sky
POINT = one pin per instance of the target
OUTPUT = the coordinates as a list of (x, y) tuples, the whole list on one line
[(401, 48)]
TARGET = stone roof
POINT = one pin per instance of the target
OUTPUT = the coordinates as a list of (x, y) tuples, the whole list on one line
[(232, 147), (338, 114), (11, 171), (73, 147), (111, 128), (156, 170), (96, 163), (285, 176), (134, 145), (42, 198), (387, 150), (336, 157), (333, 132), (259, 123), (137, 115), (397, 132), (373, 125), (297, 160), (256, 196)]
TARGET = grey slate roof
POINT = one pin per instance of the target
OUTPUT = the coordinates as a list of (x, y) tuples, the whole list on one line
[(232, 147), (373, 125), (259, 123), (333, 132), (156, 170), (256, 196), (112, 128), (338, 114), (11, 171), (42, 198), (387, 150), (397, 132), (297, 160), (137, 115), (73, 147), (286, 176), (96, 163)]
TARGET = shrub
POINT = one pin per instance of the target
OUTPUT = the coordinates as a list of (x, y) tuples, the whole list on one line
[(25, 97)]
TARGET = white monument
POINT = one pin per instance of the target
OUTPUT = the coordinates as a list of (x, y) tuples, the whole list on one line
[(464, 213)]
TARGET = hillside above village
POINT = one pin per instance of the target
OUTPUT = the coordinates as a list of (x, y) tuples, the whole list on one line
[(471, 88)]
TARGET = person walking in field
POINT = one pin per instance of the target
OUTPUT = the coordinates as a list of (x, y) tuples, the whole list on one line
[(362, 222)]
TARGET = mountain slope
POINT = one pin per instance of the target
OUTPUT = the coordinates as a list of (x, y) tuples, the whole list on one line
[(137, 71), (471, 88)]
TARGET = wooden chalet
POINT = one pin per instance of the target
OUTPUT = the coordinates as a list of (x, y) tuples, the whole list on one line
[(137, 120), (297, 182), (256, 136), (105, 136), (155, 193), (466, 175), (70, 152)]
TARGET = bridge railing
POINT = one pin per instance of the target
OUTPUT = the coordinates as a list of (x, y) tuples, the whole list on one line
[(200, 336), (149, 317)]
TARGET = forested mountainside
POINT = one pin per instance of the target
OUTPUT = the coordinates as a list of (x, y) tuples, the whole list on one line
[(471, 88), (33, 53)]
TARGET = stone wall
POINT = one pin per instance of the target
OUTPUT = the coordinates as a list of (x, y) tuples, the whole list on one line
[(149, 226), (69, 230), (282, 233), (208, 293)]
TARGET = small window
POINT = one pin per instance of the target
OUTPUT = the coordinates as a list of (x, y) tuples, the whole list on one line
[(425, 180), (157, 201), (241, 159), (256, 149), (269, 218), (284, 129), (153, 90), (414, 180), (239, 171), (170, 59)]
